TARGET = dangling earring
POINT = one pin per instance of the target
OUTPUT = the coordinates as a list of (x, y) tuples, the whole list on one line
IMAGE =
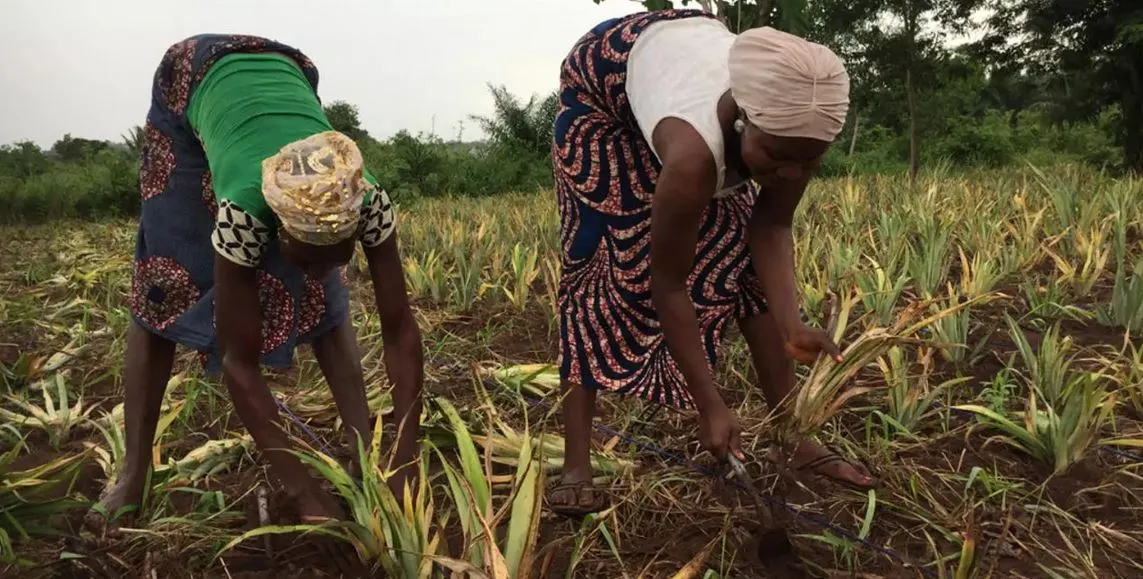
[(739, 126)]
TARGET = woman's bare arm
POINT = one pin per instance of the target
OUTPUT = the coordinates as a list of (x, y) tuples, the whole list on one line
[(683, 192), (772, 254), (404, 356), (238, 320)]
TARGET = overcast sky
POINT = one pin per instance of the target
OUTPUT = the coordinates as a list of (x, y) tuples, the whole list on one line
[(85, 66)]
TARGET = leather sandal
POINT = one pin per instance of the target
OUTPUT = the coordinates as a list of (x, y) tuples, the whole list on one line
[(576, 500)]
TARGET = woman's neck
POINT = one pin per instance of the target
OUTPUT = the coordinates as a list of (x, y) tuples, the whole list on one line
[(731, 140)]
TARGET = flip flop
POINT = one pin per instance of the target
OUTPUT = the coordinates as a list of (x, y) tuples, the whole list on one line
[(576, 500), (831, 457)]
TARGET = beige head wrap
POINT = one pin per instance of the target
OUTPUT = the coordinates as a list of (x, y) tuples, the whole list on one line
[(789, 86), (316, 187)]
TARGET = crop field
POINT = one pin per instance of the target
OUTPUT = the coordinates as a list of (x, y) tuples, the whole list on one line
[(993, 381)]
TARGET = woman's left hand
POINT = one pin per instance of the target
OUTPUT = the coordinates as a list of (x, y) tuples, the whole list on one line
[(805, 344)]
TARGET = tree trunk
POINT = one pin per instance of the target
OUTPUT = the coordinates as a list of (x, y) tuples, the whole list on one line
[(911, 93), (765, 10), (856, 128), (914, 147), (731, 14), (1133, 137), (1132, 104)]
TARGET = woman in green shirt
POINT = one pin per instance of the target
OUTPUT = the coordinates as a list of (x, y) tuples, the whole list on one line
[(252, 206)]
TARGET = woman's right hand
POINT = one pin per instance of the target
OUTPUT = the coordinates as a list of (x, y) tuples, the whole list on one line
[(805, 344), (719, 431)]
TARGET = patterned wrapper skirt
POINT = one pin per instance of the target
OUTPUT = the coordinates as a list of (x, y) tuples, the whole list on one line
[(605, 174), (172, 283)]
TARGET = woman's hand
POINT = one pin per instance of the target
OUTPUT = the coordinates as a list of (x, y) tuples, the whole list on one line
[(719, 431), (805, 344)]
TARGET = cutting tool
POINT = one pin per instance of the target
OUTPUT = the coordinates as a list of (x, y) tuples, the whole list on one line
[(774, 548)]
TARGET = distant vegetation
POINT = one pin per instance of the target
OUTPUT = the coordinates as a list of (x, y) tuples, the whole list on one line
[(1016, 94)]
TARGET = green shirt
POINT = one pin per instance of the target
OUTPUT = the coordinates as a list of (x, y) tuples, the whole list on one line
[(247, 107)]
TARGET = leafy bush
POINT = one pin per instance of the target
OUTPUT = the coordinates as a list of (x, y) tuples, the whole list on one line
[(82, 178), (104, 185)]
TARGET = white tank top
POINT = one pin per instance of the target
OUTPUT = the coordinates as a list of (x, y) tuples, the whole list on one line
[(678, 68)]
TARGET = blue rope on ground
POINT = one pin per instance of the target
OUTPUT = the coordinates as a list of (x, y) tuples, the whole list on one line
[(302, 425), (1123, 454), (773, 501)]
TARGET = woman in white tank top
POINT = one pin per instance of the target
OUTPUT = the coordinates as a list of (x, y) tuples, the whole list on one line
[(667, 121)]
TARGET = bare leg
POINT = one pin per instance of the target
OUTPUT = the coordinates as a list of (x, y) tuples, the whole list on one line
[(337, 355), (776, 373), (578, 408), (575, 495), (146, 370)]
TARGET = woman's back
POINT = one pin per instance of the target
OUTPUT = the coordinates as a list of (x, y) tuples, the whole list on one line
[(678, 68), (249, 106)]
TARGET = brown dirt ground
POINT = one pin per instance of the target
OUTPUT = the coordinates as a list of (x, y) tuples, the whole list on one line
[(1096, 490)]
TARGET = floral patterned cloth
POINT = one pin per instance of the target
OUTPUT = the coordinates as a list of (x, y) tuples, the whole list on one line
[(605, 174), (172, 284)]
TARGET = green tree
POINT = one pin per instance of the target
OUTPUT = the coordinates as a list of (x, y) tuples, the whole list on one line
[(22, 160), (518, 125), (134, 139), (71, 149), (894, 50), (1091, 52), (739, 15), (344, 118)]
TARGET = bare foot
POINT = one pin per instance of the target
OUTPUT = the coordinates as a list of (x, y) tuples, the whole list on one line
[(354, 468), (318, 507), (117, 506)]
